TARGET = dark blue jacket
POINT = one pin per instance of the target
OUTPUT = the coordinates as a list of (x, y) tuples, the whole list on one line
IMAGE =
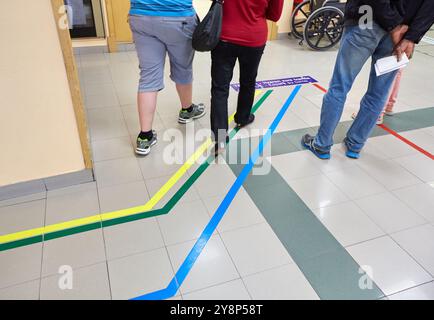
[(417, 14)]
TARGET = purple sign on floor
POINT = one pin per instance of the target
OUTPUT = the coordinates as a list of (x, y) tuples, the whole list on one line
[(286, 82)]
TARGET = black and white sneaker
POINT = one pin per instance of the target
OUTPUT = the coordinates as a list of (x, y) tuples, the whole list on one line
[(144, 145), (197, 112)]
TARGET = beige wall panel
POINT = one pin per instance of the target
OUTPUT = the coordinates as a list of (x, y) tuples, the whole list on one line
[(283, 24), (121, 9), (38, 131)]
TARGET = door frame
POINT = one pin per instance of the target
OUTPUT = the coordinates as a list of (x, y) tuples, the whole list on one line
[(73, 80)]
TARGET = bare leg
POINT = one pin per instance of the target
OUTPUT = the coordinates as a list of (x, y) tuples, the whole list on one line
[(185, 93), (147, 103)]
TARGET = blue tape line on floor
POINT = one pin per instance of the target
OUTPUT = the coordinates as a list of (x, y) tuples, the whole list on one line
[(200, 244)]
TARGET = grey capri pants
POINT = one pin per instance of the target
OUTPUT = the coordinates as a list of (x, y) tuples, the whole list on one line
[(156, 36)]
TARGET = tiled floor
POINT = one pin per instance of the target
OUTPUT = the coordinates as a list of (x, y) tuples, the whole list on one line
[(338, 219)]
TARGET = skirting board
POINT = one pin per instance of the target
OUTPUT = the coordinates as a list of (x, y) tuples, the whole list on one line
[(43, 185)]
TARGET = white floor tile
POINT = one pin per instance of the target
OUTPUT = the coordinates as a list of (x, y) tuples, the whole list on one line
[(140, 274), (19, 200), (213, 266), (391, 146), (242, 212), (421, 139), (388, 173), (123, 196), (106, 123), (255, 249), (154, 166), (20, 217), (389, 213), (185, 222), (290, 121), (234, 290), (419, 243), (101, 100), (20, 265), (355, 182), (295, 165), (423, 292), (24, 291), (419, 165), (110, 149), (420, 198), (348, 224), (318, 191), (307, 111), (115, 172), (391, 268), (79, 203), (284, 283), (206, 184), (132, 238), (76, 251), (429, 130), (89, 283)]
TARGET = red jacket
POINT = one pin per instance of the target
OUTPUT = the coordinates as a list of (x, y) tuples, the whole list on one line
[(245, 21)]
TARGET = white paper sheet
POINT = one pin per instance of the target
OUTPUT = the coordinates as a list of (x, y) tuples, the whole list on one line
[(389, 64)]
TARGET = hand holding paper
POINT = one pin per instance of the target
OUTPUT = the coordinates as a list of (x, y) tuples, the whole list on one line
[(390, 64)]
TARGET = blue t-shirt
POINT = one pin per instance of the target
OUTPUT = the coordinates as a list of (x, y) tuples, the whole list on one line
[(163, 8)]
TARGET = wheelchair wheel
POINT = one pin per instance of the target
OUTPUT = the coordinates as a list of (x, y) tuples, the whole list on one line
[(324, 28), (299, 18)]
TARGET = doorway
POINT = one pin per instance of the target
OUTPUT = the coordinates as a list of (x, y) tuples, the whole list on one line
[(85, 18)]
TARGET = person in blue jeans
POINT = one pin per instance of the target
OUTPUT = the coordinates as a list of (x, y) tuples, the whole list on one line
[(397, 25)]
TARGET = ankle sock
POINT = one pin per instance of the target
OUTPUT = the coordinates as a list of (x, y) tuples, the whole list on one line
[(188, 109), (148, 135)]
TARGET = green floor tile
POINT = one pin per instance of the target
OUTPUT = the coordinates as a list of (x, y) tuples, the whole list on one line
[(338, 277), (282, 145), (329, 268)]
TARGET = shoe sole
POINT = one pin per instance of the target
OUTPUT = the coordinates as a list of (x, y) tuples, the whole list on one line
[(240, 126), (352, 155), (142, 152), (318, 155), (185, 121)]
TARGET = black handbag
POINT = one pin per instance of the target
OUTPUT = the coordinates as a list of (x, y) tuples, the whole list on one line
[(207, 33)]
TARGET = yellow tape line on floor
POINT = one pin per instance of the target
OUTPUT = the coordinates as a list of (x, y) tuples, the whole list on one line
[(120, 213)]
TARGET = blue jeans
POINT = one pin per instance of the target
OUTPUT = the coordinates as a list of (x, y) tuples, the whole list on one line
[(357, 46)]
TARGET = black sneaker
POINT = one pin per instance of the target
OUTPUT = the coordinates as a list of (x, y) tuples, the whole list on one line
[(250, 121), (307, 142)]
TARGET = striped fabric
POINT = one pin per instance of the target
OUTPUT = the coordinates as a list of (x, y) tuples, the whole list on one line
[(163, 8)]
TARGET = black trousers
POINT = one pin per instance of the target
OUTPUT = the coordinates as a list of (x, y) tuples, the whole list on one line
[(224, 57)]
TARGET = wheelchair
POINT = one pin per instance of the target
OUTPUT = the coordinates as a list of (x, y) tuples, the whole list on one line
[(319, 23)]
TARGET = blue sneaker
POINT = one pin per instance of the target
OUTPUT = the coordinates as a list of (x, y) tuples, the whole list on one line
[(350, 153), (307, 142)]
